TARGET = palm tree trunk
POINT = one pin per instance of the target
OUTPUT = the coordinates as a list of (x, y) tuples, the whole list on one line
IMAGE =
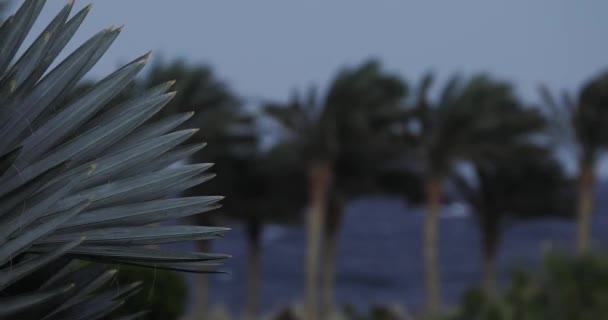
[(330, 252), (254, 233), (201, 305), (585, 207), (490, 249), (320, 175), (431, 267)]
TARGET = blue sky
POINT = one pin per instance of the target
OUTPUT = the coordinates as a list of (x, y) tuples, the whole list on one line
[(265, 48)]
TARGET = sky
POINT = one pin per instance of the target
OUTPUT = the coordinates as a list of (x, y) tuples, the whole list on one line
[(266, 48), (263, 49)]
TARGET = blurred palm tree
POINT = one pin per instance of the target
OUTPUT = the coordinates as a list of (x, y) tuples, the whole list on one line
[(469, 121), (356, 98), (279, 176), (338, 138), (525, 182), (311, 134), (510, 160), (444, 127), (266, 187), (583, 124)]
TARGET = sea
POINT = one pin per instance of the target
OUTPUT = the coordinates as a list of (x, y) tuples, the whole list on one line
[(380, 260)]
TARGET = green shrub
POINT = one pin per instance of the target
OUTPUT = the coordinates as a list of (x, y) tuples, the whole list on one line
[(163, 293), (565, 288)]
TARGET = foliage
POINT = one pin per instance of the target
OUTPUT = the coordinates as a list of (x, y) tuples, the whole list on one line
[(564, 288), (342, 127), (582, 124), (528, 186), (280, 193), (592, 114), (84, 178), (375, 313), (472, 121), (163, 293), (582, 120), (355, 100)]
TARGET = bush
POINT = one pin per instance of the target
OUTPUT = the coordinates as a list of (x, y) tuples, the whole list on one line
[(163, 293), (565, 288), (377, 312)]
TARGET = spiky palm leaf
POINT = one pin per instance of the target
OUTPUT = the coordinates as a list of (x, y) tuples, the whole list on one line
[(85, 179)]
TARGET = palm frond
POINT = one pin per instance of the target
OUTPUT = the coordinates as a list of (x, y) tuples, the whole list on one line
[(86, 178)]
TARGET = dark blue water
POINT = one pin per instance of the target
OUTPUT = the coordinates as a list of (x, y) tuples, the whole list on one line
[(380, 259)]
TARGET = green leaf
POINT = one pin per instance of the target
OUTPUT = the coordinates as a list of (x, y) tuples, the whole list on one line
[(164, 160), (127, 291), (135, 316), (22, 69), (146, 186), (141, 213), (23, 112), (69, 119), (6, 160), (116, 112), (89, 287), (88, 142), (190, 267), (110, 167), (18, 219), (19, 27), (19, 244), (130, 118), (67, 268), (96, 307), (118, 254), (104, 44), (21, 194), (175, 188), (37, 51), (151, 130), (58, 42), (138, 236), (15, 304), (25, 268), (119, 111)]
